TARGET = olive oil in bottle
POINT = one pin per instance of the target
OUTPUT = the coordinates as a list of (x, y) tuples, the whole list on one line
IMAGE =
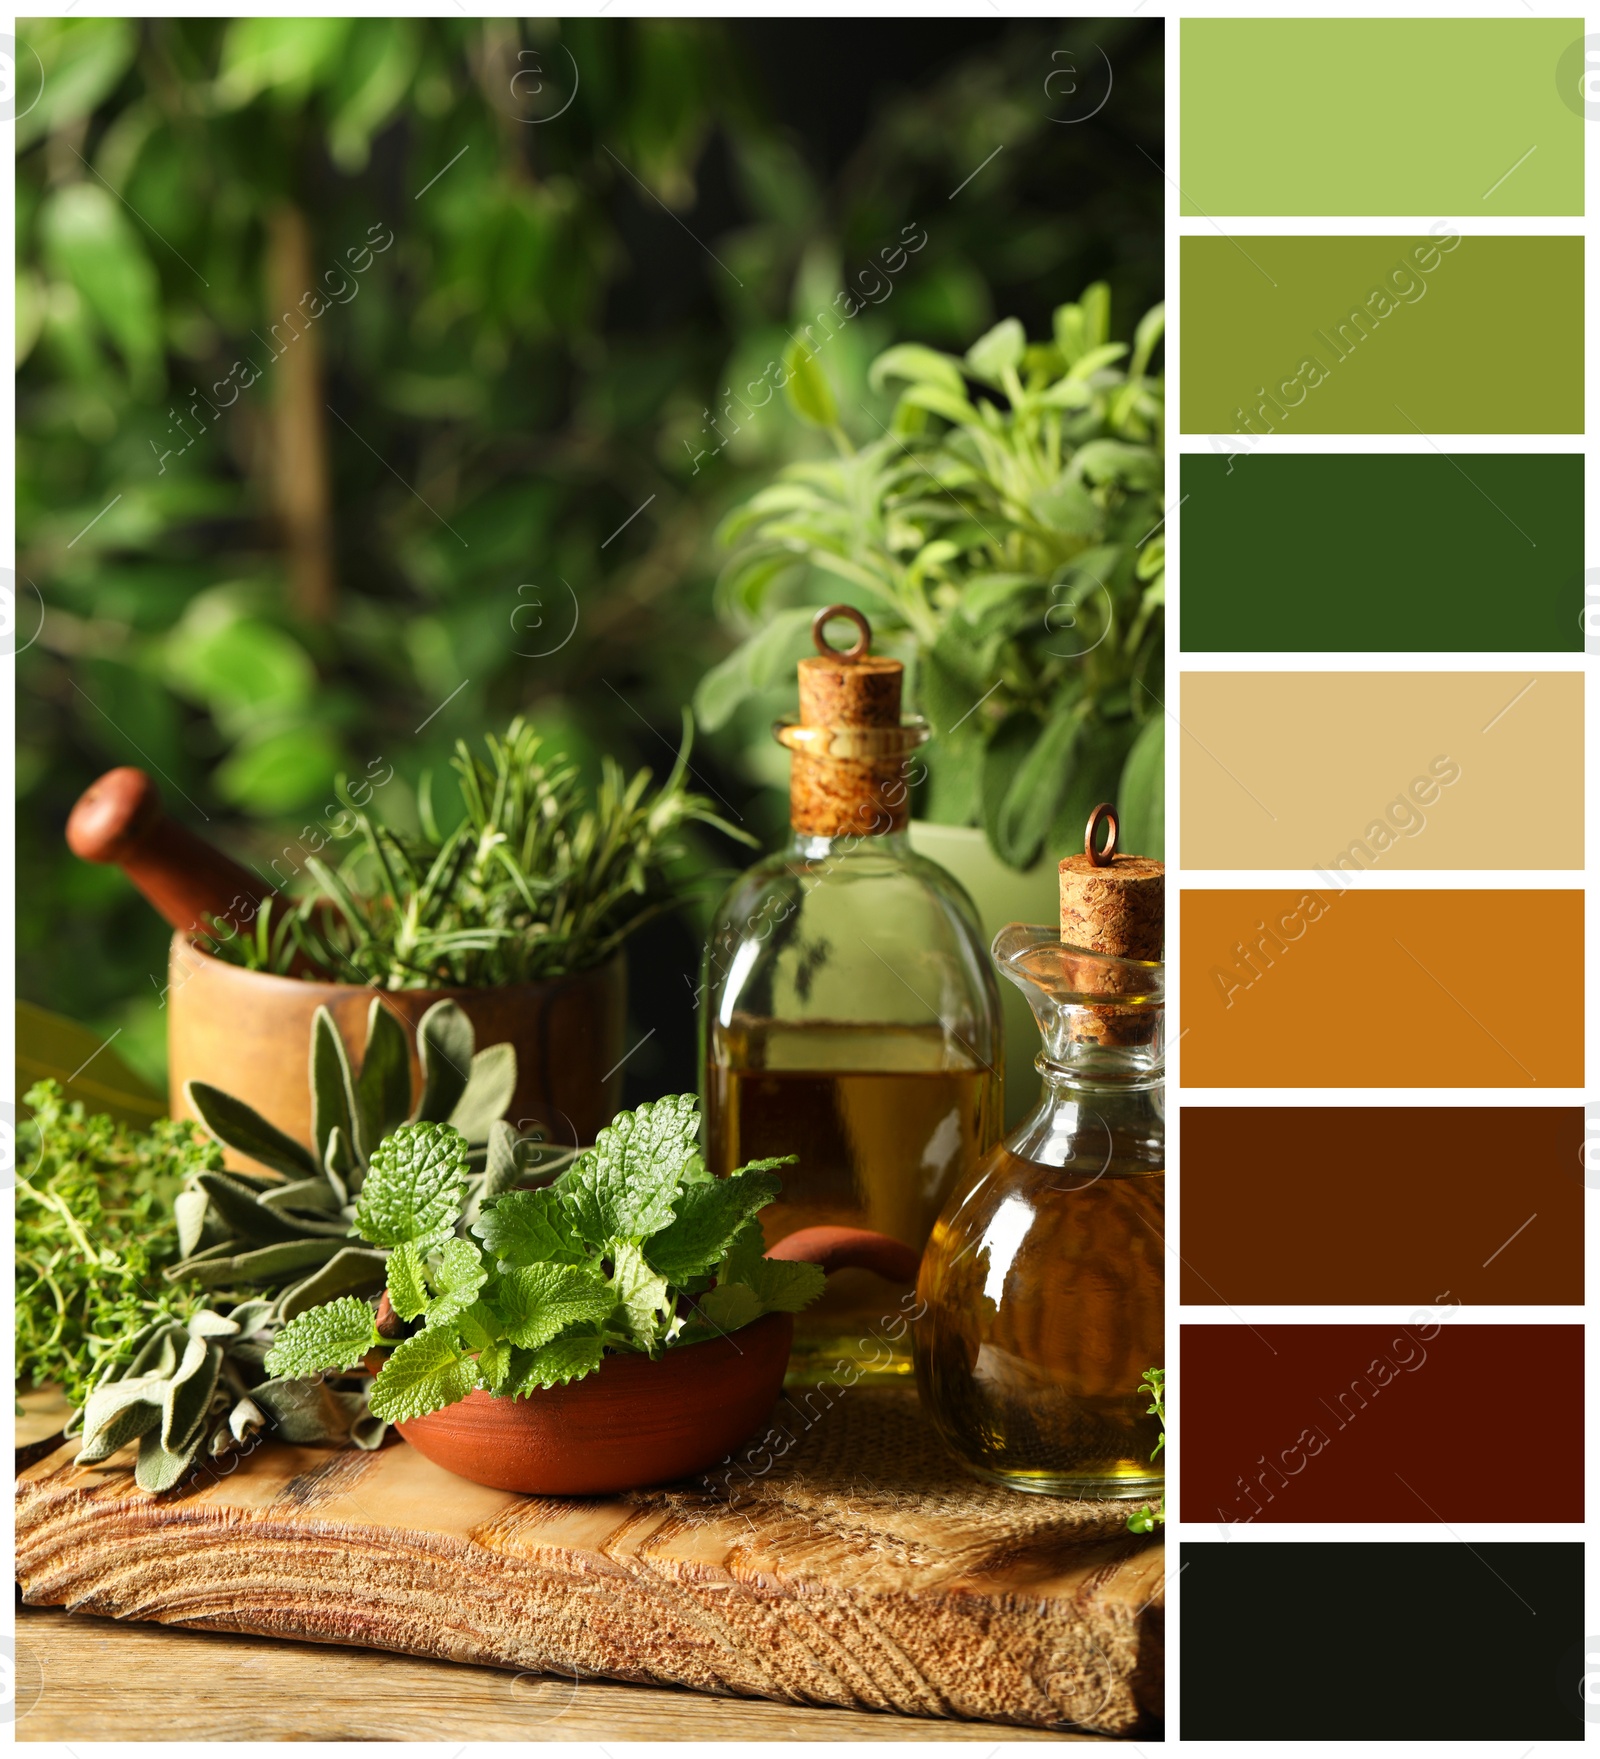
[(851, 1013), (883, 1121), (1043, 1286)]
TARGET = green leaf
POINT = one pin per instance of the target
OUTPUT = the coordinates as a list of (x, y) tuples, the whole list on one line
[(535, 1302), (1036, 788), (236, 1125), (286, 57), (939, 401), (91, 241), (925, 366), (267, 1264), (623, 1188), (353, 1270), (767, 658), (423, 1374), (308, 1413), (159, 1468), (189, 1212), (336, 1336), (332, 1088), (530, 1227), (188, 1393), (783, 1286), (554, 1364), (708, 1217), (642, 1293), (383, 1088), (413, 1187), (117, 1413), (248, 1217), (1117, 461), (444, 1046), (807, 389), (998, 351), (729, 1305), (1152, 326), (490, 1084), (457, 1277), (1142, 794), (408, 1293)]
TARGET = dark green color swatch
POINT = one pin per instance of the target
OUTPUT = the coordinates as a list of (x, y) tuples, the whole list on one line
[(1419, 334), (1478, 552), (1382, 115)]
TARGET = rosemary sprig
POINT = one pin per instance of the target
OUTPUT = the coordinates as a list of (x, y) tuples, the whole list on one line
[(537, 880)]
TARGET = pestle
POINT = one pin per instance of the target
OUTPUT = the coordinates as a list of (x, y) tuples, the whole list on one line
[(120, 821)]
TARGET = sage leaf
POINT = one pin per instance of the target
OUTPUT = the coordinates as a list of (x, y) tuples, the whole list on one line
[(444, 1048), (187, 1396), (238, 1126), (333, 1100), (490, 1084), (266, 1264), (535, 1302), (1142, 792), (413, 1187), (308, 1413), (159, 1468), (250, 1217), (423, 1374), (311, 1194), (189, 1212), (353, 1270), (998, 351), (383, 1088), (910, 360), (119, 1413)]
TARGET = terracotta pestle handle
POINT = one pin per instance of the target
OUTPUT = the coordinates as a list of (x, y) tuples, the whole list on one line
[(850, 1248), (121, 822)]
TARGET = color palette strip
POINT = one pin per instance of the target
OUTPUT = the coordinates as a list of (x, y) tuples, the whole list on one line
[(1380, 335), (1382, 772), (1383, 553), (1377, 1641), (1411, 1422), (1340, 1205), (1382, 115), (1361, 988)]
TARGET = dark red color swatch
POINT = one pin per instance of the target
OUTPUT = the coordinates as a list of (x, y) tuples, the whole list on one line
[(1434, 1420), (1338, 1205)]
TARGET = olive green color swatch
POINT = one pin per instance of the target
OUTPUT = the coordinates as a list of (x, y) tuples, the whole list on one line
[(1420, 334), (1461, 116), (1391, 552)]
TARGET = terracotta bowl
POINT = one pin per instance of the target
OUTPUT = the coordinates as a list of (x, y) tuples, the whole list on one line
[(636, 1422)]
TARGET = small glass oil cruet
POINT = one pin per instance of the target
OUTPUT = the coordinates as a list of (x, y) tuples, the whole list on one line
[(1043, 1284), (851, 1014)]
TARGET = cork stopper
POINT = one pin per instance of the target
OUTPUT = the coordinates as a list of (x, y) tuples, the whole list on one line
[(849, 775), (1114, 904)]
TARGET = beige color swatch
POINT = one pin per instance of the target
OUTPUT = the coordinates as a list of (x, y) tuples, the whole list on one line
[(1382, 771)]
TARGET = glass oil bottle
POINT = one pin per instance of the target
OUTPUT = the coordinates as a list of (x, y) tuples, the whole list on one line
[(1043, 1285), (851, 1014)]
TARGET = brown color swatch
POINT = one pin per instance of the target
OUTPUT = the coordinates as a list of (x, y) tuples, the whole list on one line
[(1434, 1420), (1339, 1205), (1318, 988), (1382, 771)]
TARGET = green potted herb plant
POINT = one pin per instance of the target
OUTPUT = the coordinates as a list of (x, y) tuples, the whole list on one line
[(1005, 533), (518, 914)]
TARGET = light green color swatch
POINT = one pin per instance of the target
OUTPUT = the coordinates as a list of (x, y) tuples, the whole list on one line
[(1457, 117)]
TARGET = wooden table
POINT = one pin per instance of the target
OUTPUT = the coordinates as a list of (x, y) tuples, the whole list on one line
[(946, 1594), (95, 1679)]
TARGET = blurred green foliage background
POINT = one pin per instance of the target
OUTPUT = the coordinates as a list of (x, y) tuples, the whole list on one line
[(361, 360)]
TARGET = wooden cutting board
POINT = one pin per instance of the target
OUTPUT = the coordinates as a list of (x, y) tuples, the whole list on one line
[(841, 1560)]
